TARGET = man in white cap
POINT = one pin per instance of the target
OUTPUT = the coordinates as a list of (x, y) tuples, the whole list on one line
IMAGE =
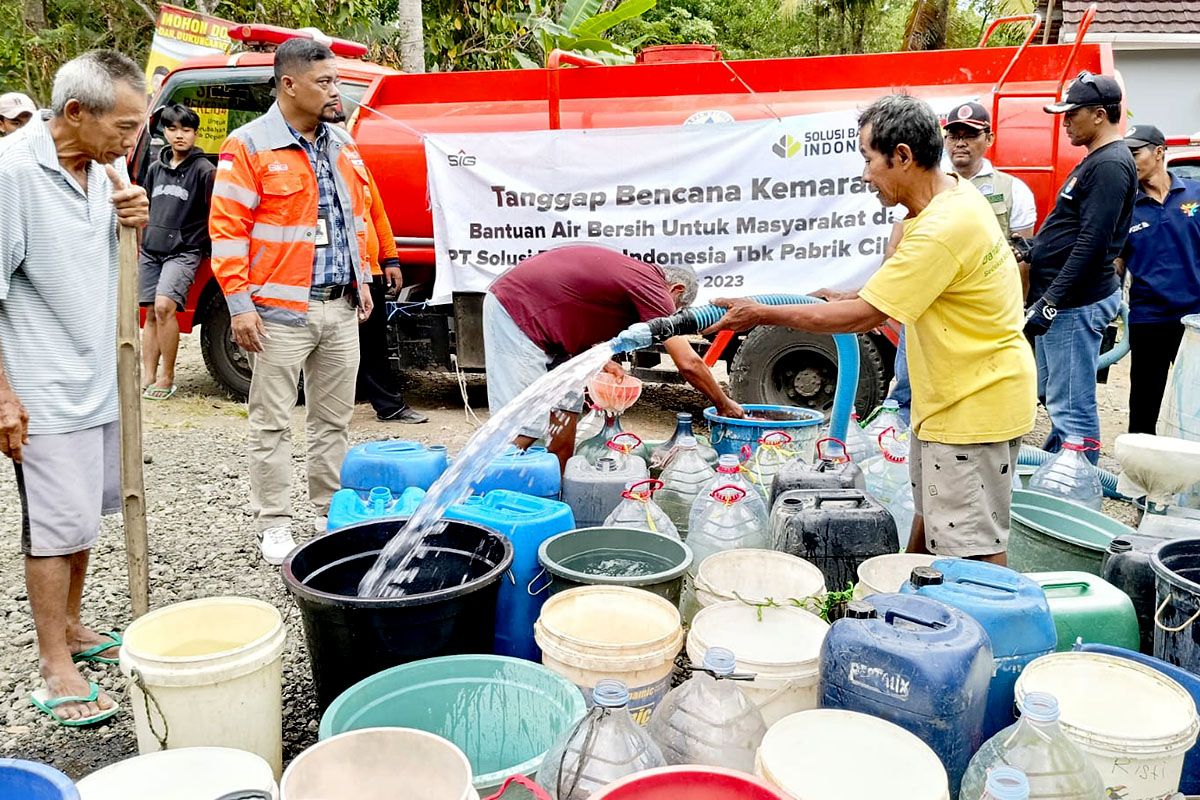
[(16, 110)]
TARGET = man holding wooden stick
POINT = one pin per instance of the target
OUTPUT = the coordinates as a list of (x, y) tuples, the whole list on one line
[(63, 193)]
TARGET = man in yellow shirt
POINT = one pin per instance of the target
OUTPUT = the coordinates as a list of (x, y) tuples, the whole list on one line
[(954, 282)]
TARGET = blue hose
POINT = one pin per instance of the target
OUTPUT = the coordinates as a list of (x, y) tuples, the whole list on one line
[(1121, 349), (695, 319), (1034, 457)]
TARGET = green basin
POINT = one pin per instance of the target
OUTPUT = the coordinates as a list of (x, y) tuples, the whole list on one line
[(1050, 534)]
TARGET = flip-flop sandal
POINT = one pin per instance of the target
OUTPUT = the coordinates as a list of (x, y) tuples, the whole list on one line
[(92, 654), (42, 701), (159, 393)]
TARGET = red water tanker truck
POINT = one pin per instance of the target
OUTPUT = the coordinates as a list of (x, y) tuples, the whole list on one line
[(665, 87)]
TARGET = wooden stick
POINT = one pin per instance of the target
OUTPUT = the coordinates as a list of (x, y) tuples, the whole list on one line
[(129, 386)]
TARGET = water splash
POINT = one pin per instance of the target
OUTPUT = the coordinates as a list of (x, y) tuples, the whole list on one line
[(394, 567)]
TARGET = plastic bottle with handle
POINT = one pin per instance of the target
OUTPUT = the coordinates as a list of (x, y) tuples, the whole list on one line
[(638, 510), (858, 446), (729, 473), (1055, 766), (888, 480), (882, 418), (1070, 475), (685, 476), (729, 517), (662, 455), (708, 719), (599, 445), (602, 747), (774, 452)]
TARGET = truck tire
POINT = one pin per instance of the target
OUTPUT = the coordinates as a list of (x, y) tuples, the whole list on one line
[(780, 366), (226, 362)]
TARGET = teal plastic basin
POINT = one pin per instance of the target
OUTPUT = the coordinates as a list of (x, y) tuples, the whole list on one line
[(503, 713), (1050, 534)]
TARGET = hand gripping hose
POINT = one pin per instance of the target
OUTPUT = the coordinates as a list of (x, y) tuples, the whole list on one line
[(695, 319)]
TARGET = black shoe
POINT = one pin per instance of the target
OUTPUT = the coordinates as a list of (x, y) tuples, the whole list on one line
[(405, 415)]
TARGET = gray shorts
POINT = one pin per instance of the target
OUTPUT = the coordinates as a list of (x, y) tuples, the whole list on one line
[(170, 276), (66, 482), (964, 492)]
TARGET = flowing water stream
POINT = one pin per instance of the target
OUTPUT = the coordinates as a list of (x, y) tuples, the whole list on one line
[(393, 569)]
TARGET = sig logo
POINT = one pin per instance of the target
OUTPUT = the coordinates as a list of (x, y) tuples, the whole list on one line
[(786, 147), (461, 159)]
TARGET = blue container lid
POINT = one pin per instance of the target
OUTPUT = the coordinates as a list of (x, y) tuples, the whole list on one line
[(29, 780), (1011, 607)]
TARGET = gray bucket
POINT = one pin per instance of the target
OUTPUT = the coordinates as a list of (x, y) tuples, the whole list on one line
[(612, 557)]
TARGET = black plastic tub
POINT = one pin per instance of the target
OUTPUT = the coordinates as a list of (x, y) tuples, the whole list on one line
[(351, 637), (1176, 565)]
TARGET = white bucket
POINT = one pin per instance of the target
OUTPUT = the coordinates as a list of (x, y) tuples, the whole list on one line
[(597, 632), (379, 764), (829, 754), (190, 773), (886, 574), (1135, 723), (213, 671), (781, 648), (756, 576)]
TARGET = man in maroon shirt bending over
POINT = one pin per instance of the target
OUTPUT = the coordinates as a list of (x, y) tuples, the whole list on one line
[(560, 303)]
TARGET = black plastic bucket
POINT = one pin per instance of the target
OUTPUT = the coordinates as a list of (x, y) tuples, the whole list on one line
[(350, 637), (1176, 565)]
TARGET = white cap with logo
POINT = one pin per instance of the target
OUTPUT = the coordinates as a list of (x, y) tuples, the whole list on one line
[(14, 104)]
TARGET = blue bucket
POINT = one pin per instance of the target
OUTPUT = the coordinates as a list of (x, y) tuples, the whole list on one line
[(730, 435), (29, 780)]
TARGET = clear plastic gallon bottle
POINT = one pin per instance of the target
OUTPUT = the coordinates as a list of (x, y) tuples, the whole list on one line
[(729, 517), (775, 450), (858, 445), (729, 473), (685, 476), (638, 510), (601, 445), (663, 454), (1069, 474), (1005, 783), (1036, 745), (888, 480), (882, 418), (708, 719), (604, 746)]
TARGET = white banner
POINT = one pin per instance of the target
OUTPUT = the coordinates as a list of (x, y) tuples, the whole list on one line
[(754, 207)]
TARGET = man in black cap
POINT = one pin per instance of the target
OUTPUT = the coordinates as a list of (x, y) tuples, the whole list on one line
[(1073, 291), (1162, 256)]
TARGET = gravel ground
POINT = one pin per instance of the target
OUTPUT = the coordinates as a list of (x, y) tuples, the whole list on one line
[(201, 544)]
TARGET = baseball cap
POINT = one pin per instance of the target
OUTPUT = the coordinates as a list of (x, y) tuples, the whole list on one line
[(14, 104), (1143, 136), (1088, 90), (973, 115)]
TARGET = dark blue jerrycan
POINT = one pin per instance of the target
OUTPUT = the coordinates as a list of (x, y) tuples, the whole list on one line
[(394, 465), (1010, 607), (527, 521), (916, 662)]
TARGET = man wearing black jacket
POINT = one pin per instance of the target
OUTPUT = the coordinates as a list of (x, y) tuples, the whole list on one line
[(1073, 289), (179, 184)]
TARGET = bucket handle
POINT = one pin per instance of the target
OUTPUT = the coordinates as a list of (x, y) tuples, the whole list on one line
[(1158, 617), (147, 699), (523, 781), (529, 587)]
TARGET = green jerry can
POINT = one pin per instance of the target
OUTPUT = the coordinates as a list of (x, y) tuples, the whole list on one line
[(1088, 607)]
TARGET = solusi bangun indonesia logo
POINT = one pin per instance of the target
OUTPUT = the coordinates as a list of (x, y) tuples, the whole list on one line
[(834, 141)]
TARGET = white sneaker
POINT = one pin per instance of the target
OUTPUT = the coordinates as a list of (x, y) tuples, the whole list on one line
[(320, 524), (275, 544)]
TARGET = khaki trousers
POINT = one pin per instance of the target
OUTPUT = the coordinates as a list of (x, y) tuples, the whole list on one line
[(325, 349)]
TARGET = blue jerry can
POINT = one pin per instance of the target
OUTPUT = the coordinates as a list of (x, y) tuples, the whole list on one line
[(350, 507), (916, 662), (527, 521), (534, 471), (395, 465), (1012, 609)]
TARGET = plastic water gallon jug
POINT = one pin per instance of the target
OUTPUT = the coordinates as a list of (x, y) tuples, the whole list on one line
[(859, 446), (729, 473), (683, 479), (884, 417), (1087, 607), (604, 746), (835, 529), (637, 510), (1126, 566), (919, 663), (832, 469), (888, 481), (774, 451), (527, 521), (1010, 607), (594, 490), (349, 507), (1070, 475), (1057, 769), (661, 455), (1180, 413), (1005, 783), (708, 719), (598, 446), (727, 518), (533, 471), (394, 465)]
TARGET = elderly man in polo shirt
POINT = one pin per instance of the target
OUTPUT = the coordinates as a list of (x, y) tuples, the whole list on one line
[(59, 210)]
